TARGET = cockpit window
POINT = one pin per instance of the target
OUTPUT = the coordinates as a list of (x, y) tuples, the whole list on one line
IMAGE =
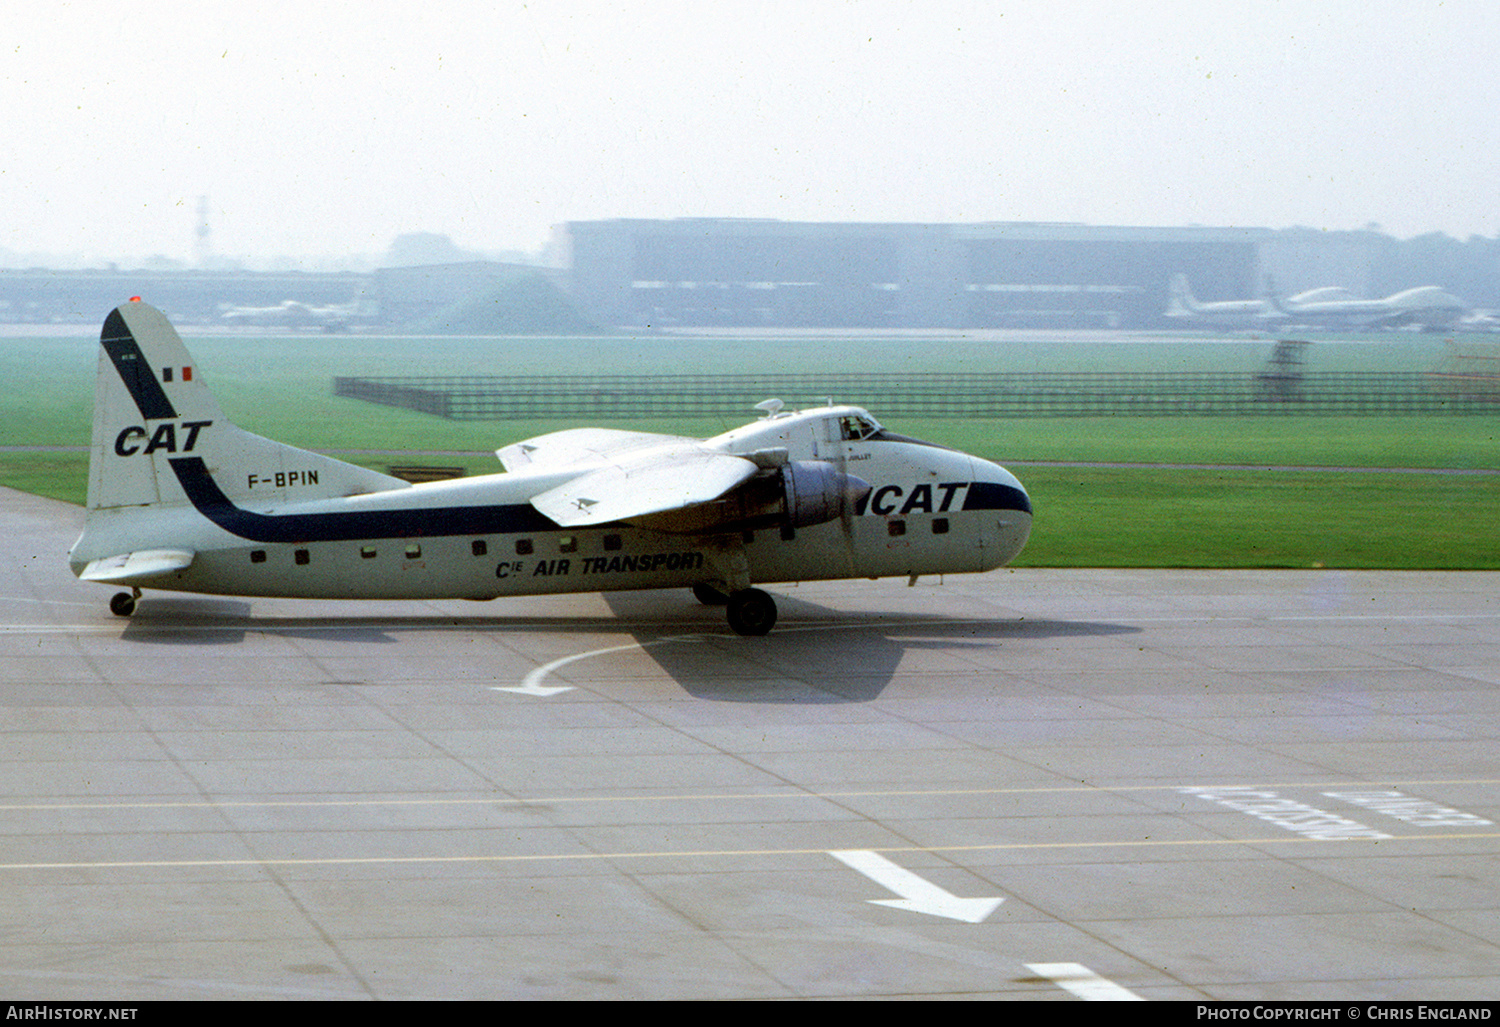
[(889, 436), (856, 428)]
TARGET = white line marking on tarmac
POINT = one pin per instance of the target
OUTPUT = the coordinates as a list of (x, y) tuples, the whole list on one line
[(918, 894), (532, 683), (60, 629), (1083, 982), (1271, 807), (44, 602), (676, 797), (563, 857), (1409, 809)]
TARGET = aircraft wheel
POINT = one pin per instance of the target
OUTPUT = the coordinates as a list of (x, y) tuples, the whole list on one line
[(708, 595), (122, 604), (751, 612)]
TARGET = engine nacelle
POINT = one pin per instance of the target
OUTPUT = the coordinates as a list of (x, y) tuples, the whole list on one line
[(815, 491), (787, 493)]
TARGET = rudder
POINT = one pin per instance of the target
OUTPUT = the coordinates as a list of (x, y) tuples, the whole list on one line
[(152, 407), (1182, 299)]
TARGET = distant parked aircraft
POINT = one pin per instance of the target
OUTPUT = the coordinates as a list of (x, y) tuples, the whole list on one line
[(293, 314), (1240, 313), (1328, 307), (1332, 307)]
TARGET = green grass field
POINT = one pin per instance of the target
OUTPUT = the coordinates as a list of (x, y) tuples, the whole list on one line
[(1086, 516)]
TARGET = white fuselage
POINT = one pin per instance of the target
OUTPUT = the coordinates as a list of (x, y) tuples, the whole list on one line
[(930, 510)]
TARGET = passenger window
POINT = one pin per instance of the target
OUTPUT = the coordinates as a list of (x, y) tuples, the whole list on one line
[(612, 543), (567, 544), (479, 547), (895, 528), (524, 547), (257, 556), (302, 557), (940, 525), (414, 552), (368, 552)]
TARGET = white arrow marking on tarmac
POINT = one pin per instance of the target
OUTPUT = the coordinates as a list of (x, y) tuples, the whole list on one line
[(1083, 982), (917, 894)]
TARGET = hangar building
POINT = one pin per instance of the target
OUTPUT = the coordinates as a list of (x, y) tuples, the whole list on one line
[(700, 272)]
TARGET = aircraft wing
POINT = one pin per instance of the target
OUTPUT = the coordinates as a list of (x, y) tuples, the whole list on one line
[(580, 445), (652, 481), (128, 568)]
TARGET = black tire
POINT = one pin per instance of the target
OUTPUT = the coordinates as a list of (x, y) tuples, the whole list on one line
[(751, 612), (708, 595), (122, 604)]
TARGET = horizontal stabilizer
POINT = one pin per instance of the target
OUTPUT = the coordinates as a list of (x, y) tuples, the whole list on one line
[(655, 482), (140, 566), (580, 445)]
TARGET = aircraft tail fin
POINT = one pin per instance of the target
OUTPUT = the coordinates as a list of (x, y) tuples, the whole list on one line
[(1182, 299), (156, 424), (1272, 297)]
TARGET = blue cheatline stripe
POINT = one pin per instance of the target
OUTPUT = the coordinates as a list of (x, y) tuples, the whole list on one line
[(206, 496), (134, 370), (991, 495), (204, 493)]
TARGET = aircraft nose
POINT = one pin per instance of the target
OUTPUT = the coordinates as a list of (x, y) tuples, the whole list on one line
[(998, 489), (1002, 497)]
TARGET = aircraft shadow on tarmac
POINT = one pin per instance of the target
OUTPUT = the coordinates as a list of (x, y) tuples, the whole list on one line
[(816, 654)]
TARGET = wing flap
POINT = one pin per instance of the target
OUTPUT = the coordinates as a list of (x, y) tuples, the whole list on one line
[(654, 482), (142, 565)]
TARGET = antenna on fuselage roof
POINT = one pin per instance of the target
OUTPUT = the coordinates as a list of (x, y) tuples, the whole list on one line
[(772, 407)]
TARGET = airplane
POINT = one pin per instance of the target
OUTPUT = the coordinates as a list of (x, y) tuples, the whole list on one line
[(182, 499), (293, 314), (1242, 313), (1426, 306)]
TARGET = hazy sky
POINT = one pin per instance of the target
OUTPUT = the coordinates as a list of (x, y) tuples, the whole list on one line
[(325, 128)]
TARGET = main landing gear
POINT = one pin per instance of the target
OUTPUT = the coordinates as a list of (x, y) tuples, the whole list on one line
[(750, 611), (122, 604), (708, 595)]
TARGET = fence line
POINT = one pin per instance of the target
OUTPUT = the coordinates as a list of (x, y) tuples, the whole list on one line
[(1039, 394)]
